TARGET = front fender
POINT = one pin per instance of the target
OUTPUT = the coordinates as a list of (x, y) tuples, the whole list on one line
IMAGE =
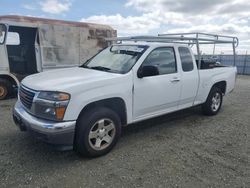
[(79, 101)]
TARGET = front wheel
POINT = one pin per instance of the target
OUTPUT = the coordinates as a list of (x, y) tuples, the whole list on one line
[(213, 102), (97, 132)]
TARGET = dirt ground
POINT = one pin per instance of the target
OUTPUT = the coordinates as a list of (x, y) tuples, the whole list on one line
[(184, 149)]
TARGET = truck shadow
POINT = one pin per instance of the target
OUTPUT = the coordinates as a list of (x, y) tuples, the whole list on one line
[(29, 148), (164, 120)]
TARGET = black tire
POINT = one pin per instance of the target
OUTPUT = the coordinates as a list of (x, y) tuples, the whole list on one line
[(208, 107), (82, 144), (5, 89)]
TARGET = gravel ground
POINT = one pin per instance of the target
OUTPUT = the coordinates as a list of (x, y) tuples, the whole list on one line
[(184, 149)]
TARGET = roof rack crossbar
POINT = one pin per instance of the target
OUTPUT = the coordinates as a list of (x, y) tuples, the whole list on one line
[(199, 33), (173, 39)]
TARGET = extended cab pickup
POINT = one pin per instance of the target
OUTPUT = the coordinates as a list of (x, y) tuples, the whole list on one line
[(86, 107)]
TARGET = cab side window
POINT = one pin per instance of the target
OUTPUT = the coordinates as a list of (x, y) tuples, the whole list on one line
[(164, 59), (186, 59)]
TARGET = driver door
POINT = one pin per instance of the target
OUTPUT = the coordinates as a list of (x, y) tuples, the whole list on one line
[(158, 94)]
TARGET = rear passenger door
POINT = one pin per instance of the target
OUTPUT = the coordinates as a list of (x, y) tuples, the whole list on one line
[(189, 77)]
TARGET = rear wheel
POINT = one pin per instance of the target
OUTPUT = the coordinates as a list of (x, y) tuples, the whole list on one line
[(97, 132), (5, 89), (213, 102)]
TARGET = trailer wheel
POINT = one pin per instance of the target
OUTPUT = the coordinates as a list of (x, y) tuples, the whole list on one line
[(5, 89)]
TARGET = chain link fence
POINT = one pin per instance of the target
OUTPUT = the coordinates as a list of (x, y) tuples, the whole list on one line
[(242, 62)]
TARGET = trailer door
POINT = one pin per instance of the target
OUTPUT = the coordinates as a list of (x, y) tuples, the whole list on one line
[(4, 64), (21, 50)]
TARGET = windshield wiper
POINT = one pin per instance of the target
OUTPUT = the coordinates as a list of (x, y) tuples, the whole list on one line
[(84, 66), (100, 68)]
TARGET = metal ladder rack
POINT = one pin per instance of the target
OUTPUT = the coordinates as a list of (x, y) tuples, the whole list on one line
[(186, 38)]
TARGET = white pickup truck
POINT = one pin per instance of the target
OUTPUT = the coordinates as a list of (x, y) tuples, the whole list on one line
[(85, 107)]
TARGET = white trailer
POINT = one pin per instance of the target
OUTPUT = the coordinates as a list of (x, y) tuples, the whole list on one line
[(31, 45)]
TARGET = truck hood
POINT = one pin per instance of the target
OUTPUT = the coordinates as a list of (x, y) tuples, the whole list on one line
[(65, 79)]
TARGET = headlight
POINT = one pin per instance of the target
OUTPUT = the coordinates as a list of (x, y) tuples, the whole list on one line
[(54, 96), (51, 105)]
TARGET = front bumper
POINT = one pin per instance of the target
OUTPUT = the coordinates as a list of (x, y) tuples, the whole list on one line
[(58, 133)]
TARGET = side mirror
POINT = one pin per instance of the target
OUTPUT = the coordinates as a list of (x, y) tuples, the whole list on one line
[(148, 70)]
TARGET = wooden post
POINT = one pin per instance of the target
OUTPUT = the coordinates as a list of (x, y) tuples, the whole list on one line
[(245, 63)]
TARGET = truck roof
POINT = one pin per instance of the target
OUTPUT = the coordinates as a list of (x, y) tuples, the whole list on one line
[(36, 20)]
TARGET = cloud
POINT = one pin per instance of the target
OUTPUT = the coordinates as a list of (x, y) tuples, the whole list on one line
[(228, 17), (29, 6), (190, 6), (138, 25), (126, 25), (236, 7), (55, 6), (226, 28)]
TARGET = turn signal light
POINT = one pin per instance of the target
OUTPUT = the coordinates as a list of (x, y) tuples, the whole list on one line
[(60, 111)]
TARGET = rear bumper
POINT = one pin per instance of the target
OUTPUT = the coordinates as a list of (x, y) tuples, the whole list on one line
[(58, 133)]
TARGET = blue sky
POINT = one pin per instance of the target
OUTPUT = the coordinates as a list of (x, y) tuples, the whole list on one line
[(141, 17), (77, 8)]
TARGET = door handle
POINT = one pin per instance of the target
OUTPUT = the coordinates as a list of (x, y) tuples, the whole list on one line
[(175, 79)]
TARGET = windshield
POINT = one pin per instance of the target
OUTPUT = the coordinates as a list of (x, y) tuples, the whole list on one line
[(116, 59), (2, 33)]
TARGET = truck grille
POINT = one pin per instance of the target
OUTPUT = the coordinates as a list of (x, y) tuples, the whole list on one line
[(26, 96)]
